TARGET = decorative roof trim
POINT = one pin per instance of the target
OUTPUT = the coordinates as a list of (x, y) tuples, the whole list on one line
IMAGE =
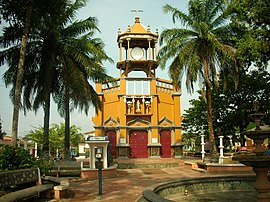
[(140, 120), (112, 120), (165, 119)]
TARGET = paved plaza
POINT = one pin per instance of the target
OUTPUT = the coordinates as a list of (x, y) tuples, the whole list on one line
[(129, 183)]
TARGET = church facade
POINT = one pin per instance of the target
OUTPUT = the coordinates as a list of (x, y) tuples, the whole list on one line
[(140, 114)]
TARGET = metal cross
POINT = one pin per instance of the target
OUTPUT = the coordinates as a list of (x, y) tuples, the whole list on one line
[(136, 11)]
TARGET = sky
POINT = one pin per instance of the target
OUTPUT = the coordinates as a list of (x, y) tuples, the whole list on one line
[(111, 15)]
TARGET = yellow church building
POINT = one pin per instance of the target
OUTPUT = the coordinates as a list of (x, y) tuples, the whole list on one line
[(140, 114)]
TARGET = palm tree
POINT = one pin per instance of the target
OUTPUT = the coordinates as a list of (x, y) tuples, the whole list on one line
[(197, 50), (80, 59), (8, 13), (61, 57), (69, 56)]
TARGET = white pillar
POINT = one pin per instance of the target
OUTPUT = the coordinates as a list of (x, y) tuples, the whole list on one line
[(120, 50), (93, 158), (35, 150), (173, 136), (128, 49), (202, 143), (156, 51), (105, 162), (221, 156), (231, 144), (193, 144), (149, 51), (25, 144)]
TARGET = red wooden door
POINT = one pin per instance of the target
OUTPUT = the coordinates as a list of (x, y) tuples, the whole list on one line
[(112, 137), (138, 141), (165, 141)]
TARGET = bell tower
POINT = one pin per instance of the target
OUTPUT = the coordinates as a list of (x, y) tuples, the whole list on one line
[(140, 115), (137, 50)]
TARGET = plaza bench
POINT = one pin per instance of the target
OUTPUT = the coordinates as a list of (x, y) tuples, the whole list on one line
[(60, 171), (29, 178), (60, 190)]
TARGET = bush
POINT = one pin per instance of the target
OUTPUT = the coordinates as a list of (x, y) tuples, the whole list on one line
[(12, 158), (44, 165)]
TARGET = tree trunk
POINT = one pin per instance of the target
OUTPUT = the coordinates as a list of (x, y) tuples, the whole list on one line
[(18, 85), (67, 126), (209, 110), (46, 143), (210, 121)]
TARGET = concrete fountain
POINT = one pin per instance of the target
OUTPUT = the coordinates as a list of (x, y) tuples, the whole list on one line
[(258, 160), (239, 187)]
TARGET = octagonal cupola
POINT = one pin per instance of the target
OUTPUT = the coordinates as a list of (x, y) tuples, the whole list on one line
[(137, 49)]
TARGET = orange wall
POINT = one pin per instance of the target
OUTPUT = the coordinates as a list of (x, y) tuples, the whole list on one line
[(164, 105)]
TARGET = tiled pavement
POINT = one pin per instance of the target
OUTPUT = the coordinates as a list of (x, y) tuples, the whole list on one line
[(128, 185)]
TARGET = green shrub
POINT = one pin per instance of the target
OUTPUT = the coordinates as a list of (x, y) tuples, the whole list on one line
[(44, 165), (12, 158)]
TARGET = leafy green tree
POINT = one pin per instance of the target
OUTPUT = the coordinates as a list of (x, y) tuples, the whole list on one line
[(197, 50), (195, 118), (231, 109), (56, 137), (237, 105), (250, 20)]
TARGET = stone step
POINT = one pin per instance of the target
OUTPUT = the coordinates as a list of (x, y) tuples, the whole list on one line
[(145, 165), (200, 170)]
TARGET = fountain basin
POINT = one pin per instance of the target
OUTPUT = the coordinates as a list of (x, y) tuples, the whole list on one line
[(256, 161), (225, 188), (257, 134)]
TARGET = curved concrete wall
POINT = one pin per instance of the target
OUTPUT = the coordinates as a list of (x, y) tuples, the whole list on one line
[(158, 192)]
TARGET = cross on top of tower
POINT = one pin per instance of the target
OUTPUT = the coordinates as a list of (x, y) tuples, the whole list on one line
[(136, 11), (137, 18)]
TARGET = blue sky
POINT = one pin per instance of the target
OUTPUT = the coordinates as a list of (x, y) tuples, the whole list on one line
[(111, 14)]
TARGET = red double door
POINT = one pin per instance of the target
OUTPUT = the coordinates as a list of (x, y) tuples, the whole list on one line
[(112, 138), (165, 141), (138, 141)]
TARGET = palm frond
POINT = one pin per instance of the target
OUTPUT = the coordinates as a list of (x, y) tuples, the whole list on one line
[(177, 15), (81, 27)]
